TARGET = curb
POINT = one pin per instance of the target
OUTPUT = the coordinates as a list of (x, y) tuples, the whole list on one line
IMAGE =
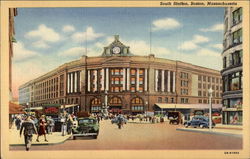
[(211, 132), (40, 144)]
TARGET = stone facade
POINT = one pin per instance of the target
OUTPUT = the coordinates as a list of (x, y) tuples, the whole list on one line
[(130, 83)]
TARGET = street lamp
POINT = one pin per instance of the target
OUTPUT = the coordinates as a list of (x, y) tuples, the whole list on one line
[(210, 91), (28, 108)]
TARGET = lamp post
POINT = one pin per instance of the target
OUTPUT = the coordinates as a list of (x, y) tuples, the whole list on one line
[(210, 91), (28, 108)]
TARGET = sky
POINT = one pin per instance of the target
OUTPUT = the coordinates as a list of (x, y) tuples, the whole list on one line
[(49, 37)]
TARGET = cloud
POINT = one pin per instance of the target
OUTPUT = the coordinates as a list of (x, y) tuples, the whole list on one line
[(214, 28), (192, 44), (21, 53), (207, 52), (90, 34), (68, 28), (217, 46), (44, 33), (165, 24), (73, 52), (40, 44)]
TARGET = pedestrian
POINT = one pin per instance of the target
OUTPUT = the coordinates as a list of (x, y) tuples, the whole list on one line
[(42, 128), (28, 129), (18, 122), (69, 124), (64, 123)]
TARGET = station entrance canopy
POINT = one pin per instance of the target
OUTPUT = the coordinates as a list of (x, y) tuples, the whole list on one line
[(187, 106)]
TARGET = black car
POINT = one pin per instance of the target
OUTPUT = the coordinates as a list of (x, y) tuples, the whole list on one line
[(199, 121)]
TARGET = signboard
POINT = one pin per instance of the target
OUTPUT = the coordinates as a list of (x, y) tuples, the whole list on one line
[(51, 109)]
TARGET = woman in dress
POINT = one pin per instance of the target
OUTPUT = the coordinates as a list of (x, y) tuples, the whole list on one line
[(42, 128)]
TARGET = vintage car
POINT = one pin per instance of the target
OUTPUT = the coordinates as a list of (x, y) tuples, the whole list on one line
[(87, 126), (199, 121)]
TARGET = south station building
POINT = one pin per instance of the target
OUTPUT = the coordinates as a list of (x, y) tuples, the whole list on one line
[(124, 82)]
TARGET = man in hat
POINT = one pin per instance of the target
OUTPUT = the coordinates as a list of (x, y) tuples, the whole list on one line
[(28, 129)]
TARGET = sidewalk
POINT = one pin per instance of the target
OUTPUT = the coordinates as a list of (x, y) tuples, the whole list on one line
[(227, 131), (137, 121), (55, 138)]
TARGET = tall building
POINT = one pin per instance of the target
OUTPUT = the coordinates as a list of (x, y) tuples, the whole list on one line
[(232, 66), (131, 83), (12, 14)]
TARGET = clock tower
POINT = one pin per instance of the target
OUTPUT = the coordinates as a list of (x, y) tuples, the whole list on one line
[(116, 48)]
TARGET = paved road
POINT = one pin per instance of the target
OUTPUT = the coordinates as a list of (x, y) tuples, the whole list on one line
[(145, 137)]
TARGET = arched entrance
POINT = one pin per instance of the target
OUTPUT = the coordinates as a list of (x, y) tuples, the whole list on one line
[(96, 105), (115, 105), (137, 105)]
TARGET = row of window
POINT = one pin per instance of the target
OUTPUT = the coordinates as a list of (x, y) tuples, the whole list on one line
[(160, 100), (205, 101), (209, 86), (205, 93), (209, 79), (184, 100), (232, 103)]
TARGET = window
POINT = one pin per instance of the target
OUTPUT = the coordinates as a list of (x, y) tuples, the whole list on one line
[(204, 101), (132, 80), (224, 62), (204, 78), (235, 81), (200, 100), (237, 58), (172, 100), (204, 93), (237, 16), (213, 79), (141, 72), (199, 77), (132, 89), (237, 37), (140, 89), (166, 99), (132, 71), (140, 80), (199, 85), (208, 79), (160, 99), (217, 80), (204, 86), (199, 93)]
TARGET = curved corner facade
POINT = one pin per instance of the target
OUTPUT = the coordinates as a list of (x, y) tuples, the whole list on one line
[(128, 83), (232, 66)]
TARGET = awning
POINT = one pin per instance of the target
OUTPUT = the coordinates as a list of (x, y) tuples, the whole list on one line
[(34, 108), (15, 108), (68, 106), (187, 106)]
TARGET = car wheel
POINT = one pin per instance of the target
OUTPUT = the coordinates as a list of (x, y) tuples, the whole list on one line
[(186, 125), (95, 136), (74, 137), (201, 126)]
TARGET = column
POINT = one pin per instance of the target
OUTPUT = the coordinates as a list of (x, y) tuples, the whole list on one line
[(168, 81), (173, 81), (89, 80), (95, 81), (146, 80), (128, 79), (162, 80), (75, 81), (68, 83), (123, 79), (102, 80), (71, 84), (107, 79), (156, 80), (137, 79)]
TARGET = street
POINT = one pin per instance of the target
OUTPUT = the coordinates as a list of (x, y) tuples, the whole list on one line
[(136, 136)]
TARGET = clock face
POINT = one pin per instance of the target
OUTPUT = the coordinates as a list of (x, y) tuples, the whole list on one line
[(116, 50)]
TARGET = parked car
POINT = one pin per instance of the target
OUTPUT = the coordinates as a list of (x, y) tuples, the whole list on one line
[(115, 120), (199, 121), (87, 126)]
